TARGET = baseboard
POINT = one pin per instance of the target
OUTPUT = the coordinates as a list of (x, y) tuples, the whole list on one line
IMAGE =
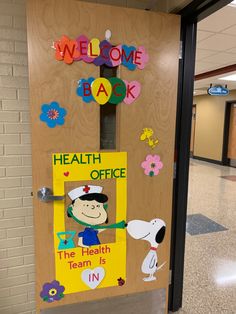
[(213, 161)]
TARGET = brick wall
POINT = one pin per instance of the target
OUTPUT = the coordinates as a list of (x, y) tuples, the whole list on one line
[(16, 221)]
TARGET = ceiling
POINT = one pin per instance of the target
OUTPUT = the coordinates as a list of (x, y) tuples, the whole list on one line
[(216, 37), (216, 47), (154, 5)]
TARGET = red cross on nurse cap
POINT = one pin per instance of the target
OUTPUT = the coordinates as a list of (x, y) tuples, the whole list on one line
[(84, 189)]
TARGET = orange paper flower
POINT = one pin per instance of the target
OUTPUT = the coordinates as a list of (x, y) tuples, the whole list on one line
[(66, 50)]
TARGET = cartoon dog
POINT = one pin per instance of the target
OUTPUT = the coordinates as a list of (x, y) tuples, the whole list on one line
[(154, 233)]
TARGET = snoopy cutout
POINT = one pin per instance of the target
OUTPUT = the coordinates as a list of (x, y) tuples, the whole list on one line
[(154, 233)]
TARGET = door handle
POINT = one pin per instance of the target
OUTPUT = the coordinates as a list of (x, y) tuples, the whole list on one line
[(46, 195)]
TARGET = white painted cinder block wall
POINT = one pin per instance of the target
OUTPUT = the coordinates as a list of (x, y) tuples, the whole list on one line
[(16, 213)]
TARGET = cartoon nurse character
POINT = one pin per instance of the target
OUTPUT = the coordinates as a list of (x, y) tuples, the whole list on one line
[(89, 208)]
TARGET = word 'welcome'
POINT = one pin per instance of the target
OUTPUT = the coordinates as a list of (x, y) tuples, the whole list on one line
[(99, 53)]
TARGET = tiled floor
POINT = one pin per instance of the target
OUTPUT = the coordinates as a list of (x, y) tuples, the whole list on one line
[(210, 259)]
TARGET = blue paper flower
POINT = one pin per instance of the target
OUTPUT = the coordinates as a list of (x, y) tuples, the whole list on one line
[(53, 114), (84, 89)]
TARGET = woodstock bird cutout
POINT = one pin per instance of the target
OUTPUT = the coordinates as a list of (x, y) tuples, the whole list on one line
[(147, 135), (154, 233)]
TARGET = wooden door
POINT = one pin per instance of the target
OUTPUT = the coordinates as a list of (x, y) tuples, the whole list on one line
[(232, 133), (136, 175)]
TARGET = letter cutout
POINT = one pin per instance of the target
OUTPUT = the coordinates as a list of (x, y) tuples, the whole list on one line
[(133, 90), (93, 277), (101, 90), (66, 50), (104, 57), (128, 57), (118, 90), (83, 42), (84, 89)]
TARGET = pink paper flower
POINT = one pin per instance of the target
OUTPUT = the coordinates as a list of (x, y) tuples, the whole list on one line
[(152, 165)]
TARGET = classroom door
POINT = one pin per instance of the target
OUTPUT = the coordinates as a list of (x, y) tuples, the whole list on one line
[(103, 89)]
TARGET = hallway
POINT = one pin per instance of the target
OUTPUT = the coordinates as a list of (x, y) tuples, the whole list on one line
[(210, 257)]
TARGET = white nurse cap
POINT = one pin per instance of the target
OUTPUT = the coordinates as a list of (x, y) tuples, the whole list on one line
[(83, 190)]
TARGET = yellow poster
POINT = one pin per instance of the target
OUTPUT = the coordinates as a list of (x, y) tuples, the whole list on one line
[(82, 261)]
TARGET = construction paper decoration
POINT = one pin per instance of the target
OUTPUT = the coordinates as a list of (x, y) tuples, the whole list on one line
[(128, 57), (112, 90), (141, 57), (119, 90), (133, 91), (152, 165), (53, 114), (116, 55), (99, 52), (93, 277), (66, 50), (104, 58), (121, 282), (93, 48), (52, 291), (66, 240), (82, 46), (101, 90), (153, 232), (84, 89), (147, 135)]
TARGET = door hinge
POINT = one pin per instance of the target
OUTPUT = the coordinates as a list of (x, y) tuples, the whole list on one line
[(181, 50), (170, 276)]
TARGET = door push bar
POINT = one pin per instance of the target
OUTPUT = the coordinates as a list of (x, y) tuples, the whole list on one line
[(46, 195)]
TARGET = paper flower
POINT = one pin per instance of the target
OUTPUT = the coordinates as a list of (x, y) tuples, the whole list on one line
[(66, 50), (152, 165), (53, 114), (52, 291)]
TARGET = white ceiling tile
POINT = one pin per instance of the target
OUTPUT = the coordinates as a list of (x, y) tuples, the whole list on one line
[(221, 58), (230, 31), (203, 35), (203, 53), (218, 42), (232, 50), (219, 21), (202, 67)]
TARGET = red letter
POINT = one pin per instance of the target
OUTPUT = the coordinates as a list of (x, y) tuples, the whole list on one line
[(102, 90), (67, 48), (91, 50), (136, 57), (101, 52), (111, 53), (87, 88), (114, 89), (129, 90), (83, 49), (131, 55)]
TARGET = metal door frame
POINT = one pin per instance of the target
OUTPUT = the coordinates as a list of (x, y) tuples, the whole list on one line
[(190, 15)]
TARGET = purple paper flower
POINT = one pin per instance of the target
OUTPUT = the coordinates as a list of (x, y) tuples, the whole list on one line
[(152, 165), (52, 291)]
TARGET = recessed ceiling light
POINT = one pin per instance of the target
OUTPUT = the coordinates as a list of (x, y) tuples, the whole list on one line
[(229, 78), (233, 3)]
